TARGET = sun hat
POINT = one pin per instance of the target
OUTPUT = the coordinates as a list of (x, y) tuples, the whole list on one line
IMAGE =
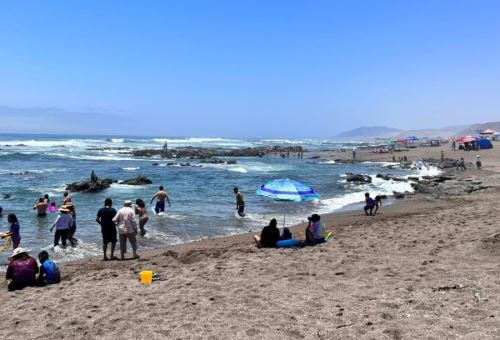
[(127, 203), (18, 251)]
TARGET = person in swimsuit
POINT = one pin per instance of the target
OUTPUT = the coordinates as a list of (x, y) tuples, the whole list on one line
[(140, 209), (66, 199), (240, 203), (161, 196), (41, 207), (14, 230)]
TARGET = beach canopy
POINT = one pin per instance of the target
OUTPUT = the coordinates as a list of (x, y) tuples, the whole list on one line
[(287, 190), (484, 143), (411, 138), (465, 139), (487, 132)]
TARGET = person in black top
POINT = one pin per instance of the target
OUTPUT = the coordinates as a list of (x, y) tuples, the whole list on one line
[(269, 235), (108, 229)]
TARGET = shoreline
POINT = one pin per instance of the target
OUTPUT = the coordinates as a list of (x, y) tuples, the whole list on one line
[(385, 276)]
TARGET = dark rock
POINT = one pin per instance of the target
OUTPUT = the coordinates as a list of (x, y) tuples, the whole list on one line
[(90, 186), (315, 157), (156, 164), (231, 162), (139, 180), (398, 195), (358, 178), (413, 178)]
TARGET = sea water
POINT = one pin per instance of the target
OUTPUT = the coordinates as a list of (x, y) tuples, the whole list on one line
[(203, 202)]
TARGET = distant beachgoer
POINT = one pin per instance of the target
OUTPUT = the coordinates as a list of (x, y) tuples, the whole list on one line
[(108, 228), (369, 204), (1, 211), (127, 228), (49, 272), (41, 207), (315, 231), (66, 199), (72, 228), (140, 209), (353, 154), (405, 158), (52, 206), (453, 146), (378, 203), (240, 203), (442, 155), (478, 161), (93, 177), (46, 199), (63, 223), (22, 270), (461, 164), (14, 231), (393, 158), (269, 236), (161, 196)]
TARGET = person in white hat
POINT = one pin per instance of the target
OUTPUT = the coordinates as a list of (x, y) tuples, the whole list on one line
[(22, 270), (62, 224), (127, 228)]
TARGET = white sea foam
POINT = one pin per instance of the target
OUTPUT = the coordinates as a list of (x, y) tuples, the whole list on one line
[(328, 162), (131, 168), (43, 143), (238, 169), (117, 140)]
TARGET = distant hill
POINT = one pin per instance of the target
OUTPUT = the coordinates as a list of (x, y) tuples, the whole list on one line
[(367, 132), (473, 130), (370, 133)]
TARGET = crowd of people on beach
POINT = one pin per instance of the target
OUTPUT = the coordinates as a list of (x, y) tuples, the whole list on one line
[(23, 268)]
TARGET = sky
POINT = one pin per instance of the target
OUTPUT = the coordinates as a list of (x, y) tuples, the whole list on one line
[(246, 68)]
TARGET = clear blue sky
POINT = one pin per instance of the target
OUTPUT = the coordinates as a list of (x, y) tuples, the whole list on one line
[(248, 68)]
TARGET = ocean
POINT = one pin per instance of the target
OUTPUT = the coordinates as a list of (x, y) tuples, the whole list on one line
[(203, 202)]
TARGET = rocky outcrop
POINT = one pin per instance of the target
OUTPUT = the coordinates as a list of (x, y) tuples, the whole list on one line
[(90, 186), (446, 185), (139, 180), (357, 178), (207, 153), (389, 177)]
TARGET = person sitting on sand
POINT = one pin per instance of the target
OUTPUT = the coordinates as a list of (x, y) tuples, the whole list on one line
[(269, 236), (127, 228), (14, 230), (63, 222), (161, 196), (49, 272), (21, 271), (378, 202), (41, 207), (140, 209), (369, 204), (315, 231), (287, 235), (108, 229)]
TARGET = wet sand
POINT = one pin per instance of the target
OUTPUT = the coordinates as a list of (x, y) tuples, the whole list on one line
[(424, 268)]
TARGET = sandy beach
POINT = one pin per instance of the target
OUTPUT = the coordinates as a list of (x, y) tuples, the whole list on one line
[(423, 268)]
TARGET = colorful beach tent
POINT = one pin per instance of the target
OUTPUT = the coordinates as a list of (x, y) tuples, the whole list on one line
[(465, 139), (484, 143), (411, 138), (487, 132)]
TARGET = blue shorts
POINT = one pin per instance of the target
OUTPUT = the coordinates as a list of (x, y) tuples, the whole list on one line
[(160, 206)]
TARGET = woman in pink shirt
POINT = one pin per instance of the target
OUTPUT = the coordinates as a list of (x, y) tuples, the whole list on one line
[(127, 228)]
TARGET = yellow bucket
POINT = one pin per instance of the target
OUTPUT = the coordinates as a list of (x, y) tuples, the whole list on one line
[(146, 277)]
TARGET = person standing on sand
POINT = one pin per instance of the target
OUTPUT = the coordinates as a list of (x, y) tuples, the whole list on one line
[(127, 228), (240, 203), (442, 155), (478, 161), (41, 207), (161, 196), (108, 228)]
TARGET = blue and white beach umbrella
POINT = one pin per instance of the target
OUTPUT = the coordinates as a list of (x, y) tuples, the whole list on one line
[(287, 190)]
